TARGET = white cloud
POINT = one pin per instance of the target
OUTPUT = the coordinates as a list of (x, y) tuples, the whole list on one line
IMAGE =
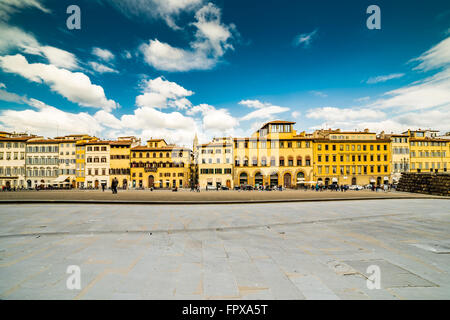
[(75, 86), (9, 96), (48, 121), (168, 10), (212, 40), (296, 114), (362, 99), (264, 110), (215, 120), (103, 54), (161, 93), (343, 114), (9, 7), (428, 93), (14, 38), (101, 68), (385, 78), (60, 58), (437, 57), (305, 39)]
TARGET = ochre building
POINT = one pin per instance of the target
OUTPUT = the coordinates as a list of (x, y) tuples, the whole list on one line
[(159, 165)]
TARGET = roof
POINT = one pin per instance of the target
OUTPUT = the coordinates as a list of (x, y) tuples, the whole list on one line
[(168, 148), (428, 139), (15, 138), (121, 142), (31, 141), (98, 142), (155, 140)]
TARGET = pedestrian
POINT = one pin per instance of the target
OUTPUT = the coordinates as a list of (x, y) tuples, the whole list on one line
[(103, 187)]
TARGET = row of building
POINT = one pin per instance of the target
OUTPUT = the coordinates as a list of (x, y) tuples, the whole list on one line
[(274, 155)]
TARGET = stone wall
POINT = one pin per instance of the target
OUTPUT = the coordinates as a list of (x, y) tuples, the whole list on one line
[(429, 183)]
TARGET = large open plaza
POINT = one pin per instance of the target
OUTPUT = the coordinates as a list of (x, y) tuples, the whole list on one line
[(305, 250), (187, 196)]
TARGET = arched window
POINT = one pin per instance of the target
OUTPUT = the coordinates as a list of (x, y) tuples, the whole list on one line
[(299, 161), (281, 161), (243, 178), (254, 161)]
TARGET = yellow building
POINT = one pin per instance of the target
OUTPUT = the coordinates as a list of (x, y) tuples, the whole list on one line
[(351, 158), (120, 151), (159, 165), (215, 163), (429, 153), (274, 155), (80, 160)]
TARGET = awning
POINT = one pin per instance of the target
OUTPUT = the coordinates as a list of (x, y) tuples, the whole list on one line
[(334, 180), (300, 179), (386, 178), (372, 180), (61, 179)]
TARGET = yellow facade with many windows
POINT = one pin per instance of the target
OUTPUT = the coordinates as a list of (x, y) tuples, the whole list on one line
[(351, 158), (429, 153), (120, 154), (275, 155), (159, 165)]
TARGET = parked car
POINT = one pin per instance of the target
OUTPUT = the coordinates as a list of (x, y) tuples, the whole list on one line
[(210, 187), (224, 188), (355, 187)]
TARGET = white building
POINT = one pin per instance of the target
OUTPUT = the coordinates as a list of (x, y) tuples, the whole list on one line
[(42, 162), (67, 162), (12, 161), (97, 164)]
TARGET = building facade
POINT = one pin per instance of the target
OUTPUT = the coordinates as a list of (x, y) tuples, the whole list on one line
[(215, 163), (400, 161), (97, 165), (120, 152), (351, 158), (429, 153), (159, 165), (42, 162), (275, 155), (12, 162)]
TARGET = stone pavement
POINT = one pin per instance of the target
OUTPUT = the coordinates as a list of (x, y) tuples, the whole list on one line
[(203, 196), (305, 250)]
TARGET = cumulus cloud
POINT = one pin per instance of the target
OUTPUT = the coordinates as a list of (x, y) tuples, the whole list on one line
[(9, 7), (215, 120), (305, 39), (38, 121), (384, 78), (161, 93), (264, 110), (16, 39), (212, 41), (75, 86), (103, 54)]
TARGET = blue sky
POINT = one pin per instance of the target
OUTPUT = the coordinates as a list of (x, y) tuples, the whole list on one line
[(172, 68)]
